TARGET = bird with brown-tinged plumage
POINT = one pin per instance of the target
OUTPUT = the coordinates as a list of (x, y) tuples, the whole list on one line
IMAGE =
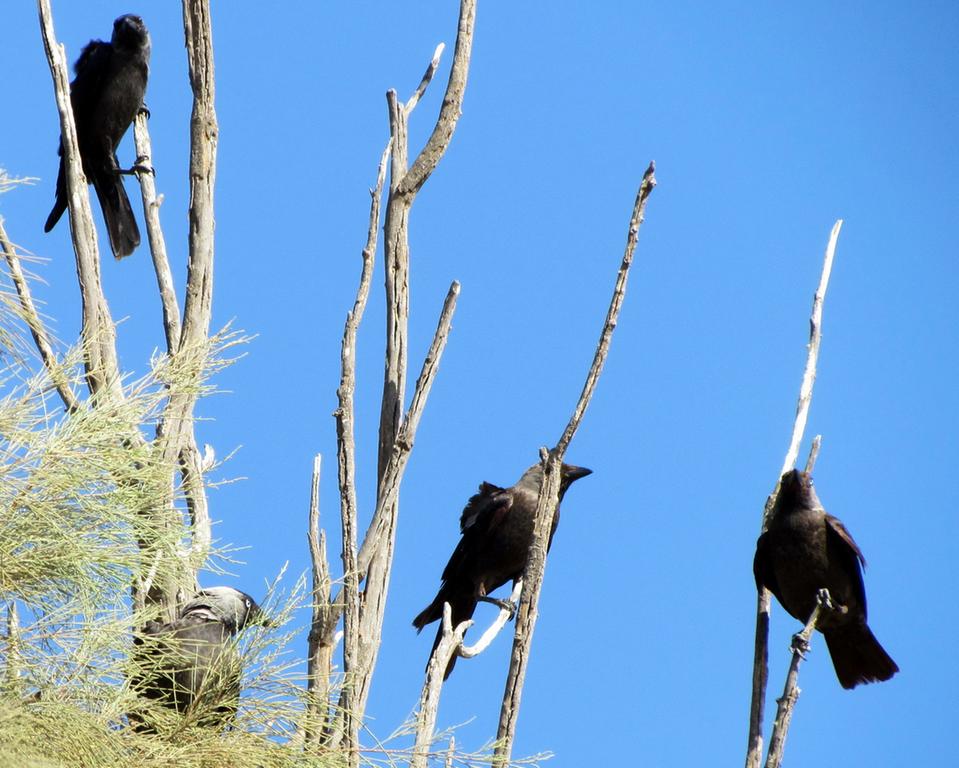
[(804, 550), (496, 535)]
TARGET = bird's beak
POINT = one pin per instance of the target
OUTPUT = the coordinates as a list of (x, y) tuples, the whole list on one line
[(575, 473)]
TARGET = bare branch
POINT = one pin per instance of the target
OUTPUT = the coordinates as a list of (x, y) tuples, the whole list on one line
[(430, 156), (348, 598), (813, 453), (427, 79), (800, 647), (204, 133), (815, 339), (319, 657), (97, 333), (754, 746), (32, 318), (389, 486), (469, 651), (450, 640), (549, 495), (151, 214), (612, 314), (383, 524)]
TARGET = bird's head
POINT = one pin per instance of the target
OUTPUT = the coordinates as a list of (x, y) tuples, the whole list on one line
[(533, 477), (570, 474), (233, 608), (796, 490), (129, 32)]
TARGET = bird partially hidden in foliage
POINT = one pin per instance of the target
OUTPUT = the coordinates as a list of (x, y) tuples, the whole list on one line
[(497, 532), (106, 94), (804, 550), (191, 664)]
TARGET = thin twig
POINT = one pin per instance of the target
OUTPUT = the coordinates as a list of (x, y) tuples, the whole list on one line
[(32, 318), (815, 339), (787, 703), (813, 453), (151, 214), (348, 598), (427, 78), (406, 435), (549, 494), (760, 676)]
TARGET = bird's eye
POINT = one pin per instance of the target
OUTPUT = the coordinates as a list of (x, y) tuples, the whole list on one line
[(247, 602)]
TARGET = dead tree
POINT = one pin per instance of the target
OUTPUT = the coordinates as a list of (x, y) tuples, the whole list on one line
[(369, 563), (754, 749)]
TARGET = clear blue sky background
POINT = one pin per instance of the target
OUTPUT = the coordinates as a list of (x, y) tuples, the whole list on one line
[(767, 124)]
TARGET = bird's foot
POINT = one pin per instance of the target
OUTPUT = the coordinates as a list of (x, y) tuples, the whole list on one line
[(140, 165), (504, 605), (799, 645), (144, 110)]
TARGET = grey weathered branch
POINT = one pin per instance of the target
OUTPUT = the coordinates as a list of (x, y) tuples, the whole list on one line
[(430, 156), (98, 335), (31, 317), (151, 214), (504, 615), (549, 494), (450, 640), (348, 598), (175, 442), (204, 134), (396, 431), (387, 494), (319, 659), (787, 703), (813, 453), (754, 747)]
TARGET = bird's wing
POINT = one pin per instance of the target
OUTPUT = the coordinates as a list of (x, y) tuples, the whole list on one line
[(483, 512), (482, 505), (841, 543), (763, 567), (91, 68)]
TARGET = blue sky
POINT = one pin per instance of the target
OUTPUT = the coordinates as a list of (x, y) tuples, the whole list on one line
[(767, 124)]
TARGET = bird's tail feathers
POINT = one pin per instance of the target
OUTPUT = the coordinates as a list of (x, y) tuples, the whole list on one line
[(858, 657), (461, 609), (117, 213)]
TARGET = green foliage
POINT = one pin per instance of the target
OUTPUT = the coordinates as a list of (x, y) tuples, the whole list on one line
[(76, 495)]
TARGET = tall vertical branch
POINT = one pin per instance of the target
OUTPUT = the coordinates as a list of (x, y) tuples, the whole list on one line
[(754, 747), (549, 493), (98, 334), (319, 657), (394, 446), (151, 214), (175, 441)]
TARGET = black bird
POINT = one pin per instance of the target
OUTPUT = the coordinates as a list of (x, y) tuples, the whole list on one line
[(191, 664), (804, 550), (497, 532), (107, 92)]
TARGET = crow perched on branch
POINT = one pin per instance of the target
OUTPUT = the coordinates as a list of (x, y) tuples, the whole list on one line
[(107, 92), (804, 550), (497, 532), (191, 662)]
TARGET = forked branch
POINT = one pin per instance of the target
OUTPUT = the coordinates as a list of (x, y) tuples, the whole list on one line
[(754, 747)]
